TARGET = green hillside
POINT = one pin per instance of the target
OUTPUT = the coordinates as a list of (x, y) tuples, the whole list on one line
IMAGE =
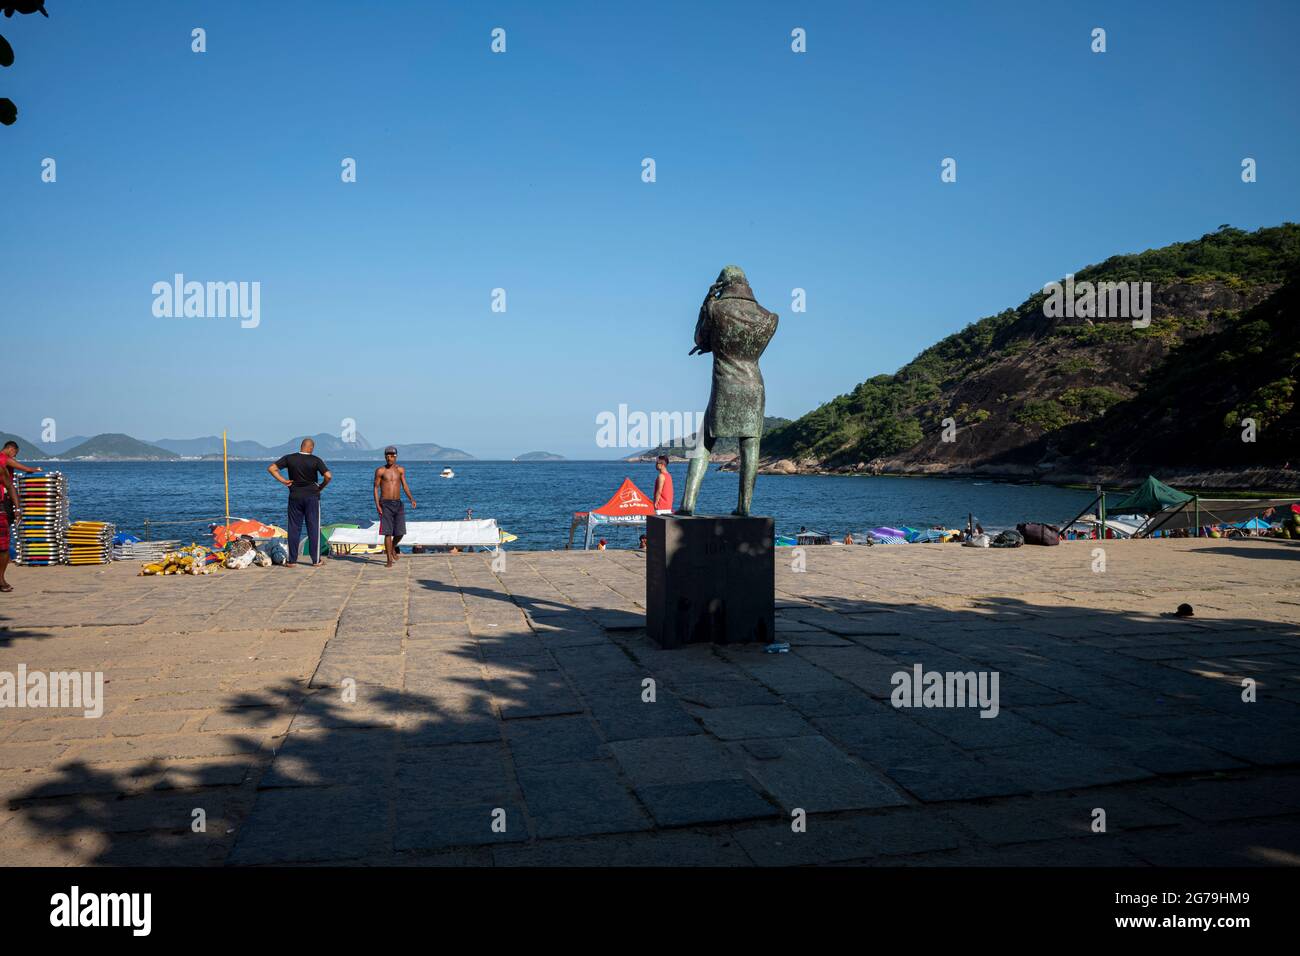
[(1018, 384), (1192, 409), (118, 446)]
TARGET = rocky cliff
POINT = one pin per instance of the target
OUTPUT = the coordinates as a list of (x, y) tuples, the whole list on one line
[(1043, 393)]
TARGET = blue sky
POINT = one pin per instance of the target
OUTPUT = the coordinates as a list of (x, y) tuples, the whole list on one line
[(522, 171)]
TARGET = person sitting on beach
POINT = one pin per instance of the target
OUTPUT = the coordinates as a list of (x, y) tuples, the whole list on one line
[(600, 546), (848, 538), (642, 543), (390, 482), (469, 516)]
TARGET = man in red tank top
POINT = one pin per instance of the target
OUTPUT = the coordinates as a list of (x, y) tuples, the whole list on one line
[(663, 494)]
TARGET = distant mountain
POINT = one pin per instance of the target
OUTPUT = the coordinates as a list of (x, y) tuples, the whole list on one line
[(539, 456), (328, 446), (724, 448), (118, 447), (331, 447), (26, 449), (59, 447), (211, 446), (427, 451)]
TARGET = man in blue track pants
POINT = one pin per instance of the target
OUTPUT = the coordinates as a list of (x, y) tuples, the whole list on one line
[(304, 497)]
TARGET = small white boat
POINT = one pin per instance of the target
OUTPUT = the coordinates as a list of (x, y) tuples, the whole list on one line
[(447, 473)]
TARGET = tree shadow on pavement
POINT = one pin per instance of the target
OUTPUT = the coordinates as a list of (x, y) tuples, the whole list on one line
[(498, 748)]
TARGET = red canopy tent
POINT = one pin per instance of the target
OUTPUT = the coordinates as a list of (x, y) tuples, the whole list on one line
[(629, 505)]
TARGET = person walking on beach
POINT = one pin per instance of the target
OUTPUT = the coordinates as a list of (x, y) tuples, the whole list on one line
[(9, 505), (663, 493), (10, 463), (390, 482), (11, 511), (304, 497)]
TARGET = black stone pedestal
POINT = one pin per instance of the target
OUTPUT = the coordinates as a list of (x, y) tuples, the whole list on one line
[(710, 579)]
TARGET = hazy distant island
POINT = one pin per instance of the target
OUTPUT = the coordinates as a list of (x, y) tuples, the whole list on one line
[(112, 446), (540, 456), (119, 447)]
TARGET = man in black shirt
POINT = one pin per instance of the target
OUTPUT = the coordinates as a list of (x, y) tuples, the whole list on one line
[(304, 497)]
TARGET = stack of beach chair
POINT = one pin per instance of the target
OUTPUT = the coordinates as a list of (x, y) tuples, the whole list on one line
[(143, 550), (90, 542), (41, 535)]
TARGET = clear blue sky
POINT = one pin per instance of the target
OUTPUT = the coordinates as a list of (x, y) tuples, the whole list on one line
[(523, 171)]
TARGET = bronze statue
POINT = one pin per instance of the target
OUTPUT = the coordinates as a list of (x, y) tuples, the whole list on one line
[(736, 329)]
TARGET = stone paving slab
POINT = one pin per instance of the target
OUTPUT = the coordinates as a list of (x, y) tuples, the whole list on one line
[(440, 713)]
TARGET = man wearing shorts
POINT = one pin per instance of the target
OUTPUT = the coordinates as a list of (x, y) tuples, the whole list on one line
[(390, 482)]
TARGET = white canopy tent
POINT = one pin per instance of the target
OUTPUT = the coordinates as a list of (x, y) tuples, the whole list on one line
[(482, 533)]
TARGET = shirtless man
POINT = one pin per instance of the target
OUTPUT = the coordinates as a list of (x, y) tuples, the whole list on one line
[(8, 459), (390, 482), (10, 511)]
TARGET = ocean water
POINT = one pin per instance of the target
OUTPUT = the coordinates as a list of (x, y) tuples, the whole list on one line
[(536, 500)]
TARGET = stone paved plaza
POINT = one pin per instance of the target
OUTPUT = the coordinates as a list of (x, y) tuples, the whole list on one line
[(522, 691)]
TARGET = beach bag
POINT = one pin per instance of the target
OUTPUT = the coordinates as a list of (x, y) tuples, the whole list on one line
[(276, 550), (977, 541), (1036, 533), (240, 553), (1007, 539)]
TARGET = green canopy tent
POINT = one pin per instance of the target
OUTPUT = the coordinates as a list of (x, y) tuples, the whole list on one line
[(1148, 498), (304, 549), (1151, 497)]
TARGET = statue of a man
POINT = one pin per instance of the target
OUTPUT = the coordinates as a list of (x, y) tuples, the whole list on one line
[(736, 329)]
